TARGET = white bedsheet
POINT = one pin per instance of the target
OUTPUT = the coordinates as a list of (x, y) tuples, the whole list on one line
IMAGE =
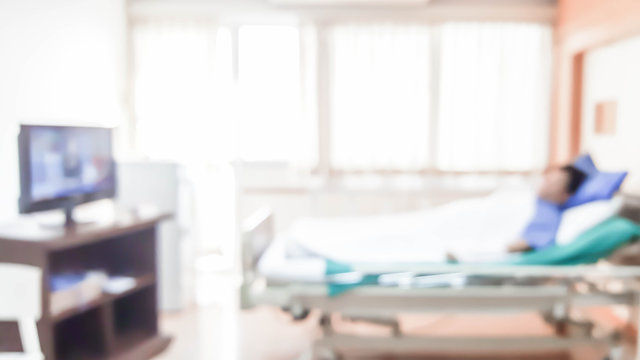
[(473, 230), (276, 264)]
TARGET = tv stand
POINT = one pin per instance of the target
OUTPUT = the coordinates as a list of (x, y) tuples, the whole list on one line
[(68, 223), (110, 326), (68, 216), (51, 220)]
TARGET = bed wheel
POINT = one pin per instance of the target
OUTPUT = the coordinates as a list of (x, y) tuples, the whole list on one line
[(301, 314), (298, 313), (560, 325), (327, 354), (332, 356)]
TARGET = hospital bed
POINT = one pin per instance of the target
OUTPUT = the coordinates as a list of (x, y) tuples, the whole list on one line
[(552, 291)]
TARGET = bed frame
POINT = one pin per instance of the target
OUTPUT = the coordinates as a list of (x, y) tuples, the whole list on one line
[(550, 290)]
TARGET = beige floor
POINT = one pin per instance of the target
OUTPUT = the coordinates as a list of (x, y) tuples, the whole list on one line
[(219, 331)]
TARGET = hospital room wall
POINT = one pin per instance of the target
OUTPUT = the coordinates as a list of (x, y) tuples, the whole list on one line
[(612, 75), (582, 25), (61, 61)]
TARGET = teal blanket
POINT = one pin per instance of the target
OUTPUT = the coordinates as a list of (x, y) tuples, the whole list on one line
[(591, 246)]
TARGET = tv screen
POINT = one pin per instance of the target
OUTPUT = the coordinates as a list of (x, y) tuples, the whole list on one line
[(63, 166)]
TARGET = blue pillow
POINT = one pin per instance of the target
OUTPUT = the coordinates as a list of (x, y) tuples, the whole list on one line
[(585, 164), (597, 186)]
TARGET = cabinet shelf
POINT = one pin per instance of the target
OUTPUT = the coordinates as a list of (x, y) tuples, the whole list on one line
[(142, 282)]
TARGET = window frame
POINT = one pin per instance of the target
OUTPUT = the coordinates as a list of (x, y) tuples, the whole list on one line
[(321, 160)]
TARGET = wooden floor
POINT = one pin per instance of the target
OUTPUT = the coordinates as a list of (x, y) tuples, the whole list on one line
[(219, 330)]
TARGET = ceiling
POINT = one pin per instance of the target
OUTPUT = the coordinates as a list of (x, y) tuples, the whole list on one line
[(508, 10)]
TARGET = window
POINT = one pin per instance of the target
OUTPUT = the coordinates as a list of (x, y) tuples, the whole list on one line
[(490, 106), (493, 96), (455, 97), (380, 80), (190, 106), (270, 98), (175, 90)]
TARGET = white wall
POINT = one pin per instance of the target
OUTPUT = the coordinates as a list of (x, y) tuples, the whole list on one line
[(60, 61), (612, 73)]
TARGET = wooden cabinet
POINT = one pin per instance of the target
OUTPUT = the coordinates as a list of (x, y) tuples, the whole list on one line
[(111, 326)]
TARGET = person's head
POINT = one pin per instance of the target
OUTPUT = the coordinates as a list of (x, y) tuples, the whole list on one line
[(560, 183)]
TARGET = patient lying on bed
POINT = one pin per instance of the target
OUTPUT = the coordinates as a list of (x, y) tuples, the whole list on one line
[(478, 230), (557, 187)]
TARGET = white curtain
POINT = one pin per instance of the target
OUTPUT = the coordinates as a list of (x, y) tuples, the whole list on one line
[(183, 91), (183, 108), (490, 110), (379, 83), (273, 126), (198, 104), (195, 101), (494, 96)]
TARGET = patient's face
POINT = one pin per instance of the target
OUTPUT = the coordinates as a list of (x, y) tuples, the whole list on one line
[(554, 186)]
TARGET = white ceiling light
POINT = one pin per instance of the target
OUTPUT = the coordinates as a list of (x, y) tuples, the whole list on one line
[(349, 2)]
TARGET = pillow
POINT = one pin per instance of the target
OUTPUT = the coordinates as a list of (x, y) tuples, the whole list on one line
[(597, 186), (585, 164), (579, 219)]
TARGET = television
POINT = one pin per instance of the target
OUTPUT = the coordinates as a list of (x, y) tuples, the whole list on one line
[(64, 166)]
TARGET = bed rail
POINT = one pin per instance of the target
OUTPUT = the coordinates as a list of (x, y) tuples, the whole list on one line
[(630, 207), (257, 235)]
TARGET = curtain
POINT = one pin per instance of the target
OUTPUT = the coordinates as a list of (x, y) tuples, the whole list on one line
[(493, 96), (379, 84), (196, 102), (483, 104), (183, 106), (183, 91), (272, 122)]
